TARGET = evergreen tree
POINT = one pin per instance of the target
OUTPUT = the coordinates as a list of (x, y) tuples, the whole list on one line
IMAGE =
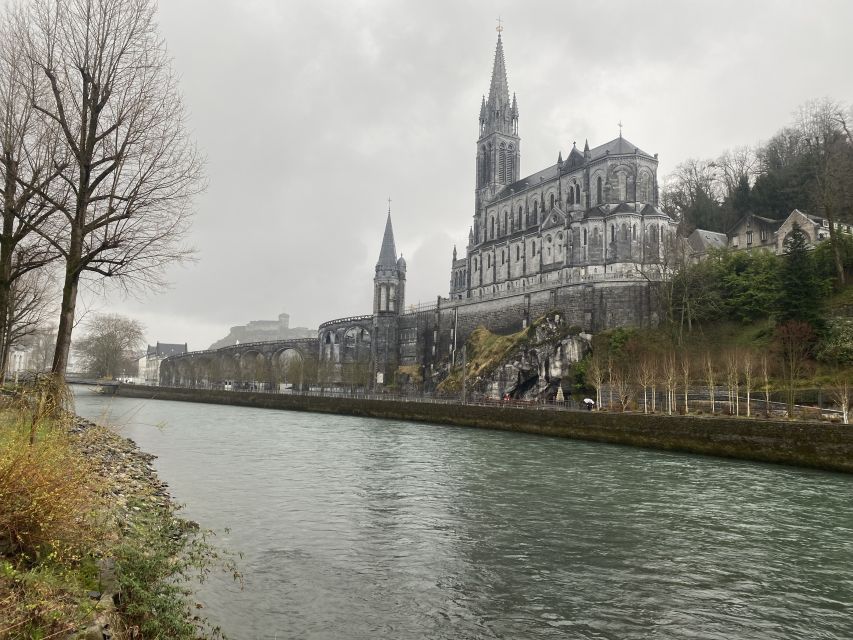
[(803, 290)]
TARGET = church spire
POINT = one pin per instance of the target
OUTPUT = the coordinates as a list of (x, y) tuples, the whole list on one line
[(388, 253), (501, 114)]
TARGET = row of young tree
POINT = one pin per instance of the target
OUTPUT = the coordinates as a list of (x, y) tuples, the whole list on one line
[(628, 371), (807, 165), (97, 172)]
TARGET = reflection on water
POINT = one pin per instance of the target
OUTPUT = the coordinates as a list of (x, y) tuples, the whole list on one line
[(361, 528)]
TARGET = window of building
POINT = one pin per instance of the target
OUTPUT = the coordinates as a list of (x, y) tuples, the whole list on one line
[(634, 232), (763, 234), (599, 191), (533, 249), (749, 237), (577, 194), (552, 200), (584, 237), (612, 233), (571, 195)]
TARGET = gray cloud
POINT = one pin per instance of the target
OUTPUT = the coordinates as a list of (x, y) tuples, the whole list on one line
[(312, 114)]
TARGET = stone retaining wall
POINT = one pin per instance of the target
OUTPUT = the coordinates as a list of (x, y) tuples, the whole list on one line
[(809, 444)]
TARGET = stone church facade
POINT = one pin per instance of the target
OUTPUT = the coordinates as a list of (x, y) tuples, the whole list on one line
[(591, 215), (583, 237)]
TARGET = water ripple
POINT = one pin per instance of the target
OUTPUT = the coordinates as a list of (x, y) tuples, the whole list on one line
[(357, 528)]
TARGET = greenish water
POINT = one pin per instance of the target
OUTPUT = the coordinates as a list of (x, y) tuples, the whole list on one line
[(362, 528)]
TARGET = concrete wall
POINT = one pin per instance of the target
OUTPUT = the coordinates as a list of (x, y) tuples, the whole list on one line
[(818, 445)]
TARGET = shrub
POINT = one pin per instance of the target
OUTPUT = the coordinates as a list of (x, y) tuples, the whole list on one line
[(48, 502)]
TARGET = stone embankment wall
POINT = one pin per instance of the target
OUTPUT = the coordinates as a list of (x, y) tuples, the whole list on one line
[(809, 444)]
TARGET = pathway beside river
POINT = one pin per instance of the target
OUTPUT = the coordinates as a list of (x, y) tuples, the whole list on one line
[(365, 528)]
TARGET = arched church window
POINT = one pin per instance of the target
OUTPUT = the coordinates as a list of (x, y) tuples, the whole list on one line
[(577, 194), (502, 163), (552, 200), (519, 216), (503, 257), (624, 231), (612, 233), (599, 191), (518, 252), (584, 237), (533, 249), (493, 228), (506, 222), (634, 232), (571, 195), (510, 168)]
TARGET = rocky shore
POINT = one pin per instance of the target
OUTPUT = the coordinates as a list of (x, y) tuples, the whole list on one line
[(130, 485), (122, 566)]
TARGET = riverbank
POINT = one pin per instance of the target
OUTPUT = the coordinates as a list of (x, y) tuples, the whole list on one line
[(819, 445), (91, 544)]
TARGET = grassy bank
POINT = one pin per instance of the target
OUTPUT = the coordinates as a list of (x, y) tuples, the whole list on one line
[(91, 545)]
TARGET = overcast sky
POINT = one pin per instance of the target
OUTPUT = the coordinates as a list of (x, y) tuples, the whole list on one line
[(311, 114)]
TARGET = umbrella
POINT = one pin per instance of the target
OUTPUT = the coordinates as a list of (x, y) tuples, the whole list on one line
[(588, 401)]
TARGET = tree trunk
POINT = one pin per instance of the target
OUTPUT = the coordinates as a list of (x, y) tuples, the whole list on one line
[(66, 321)]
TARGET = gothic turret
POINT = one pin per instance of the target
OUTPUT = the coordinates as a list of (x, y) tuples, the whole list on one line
[(498, 149), (389, 283), (389, 298)]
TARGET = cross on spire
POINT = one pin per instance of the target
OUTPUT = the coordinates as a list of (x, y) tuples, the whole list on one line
[(389, 205), (620, 128), (500, 27)]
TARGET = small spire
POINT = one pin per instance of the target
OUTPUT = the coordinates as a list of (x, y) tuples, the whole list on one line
[(586, 145), (574, 144), (483, 109), (514, 106), (560, 158), (388, 252), (454, 253)]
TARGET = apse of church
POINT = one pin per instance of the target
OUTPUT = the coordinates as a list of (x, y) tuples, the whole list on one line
[(592, 216)]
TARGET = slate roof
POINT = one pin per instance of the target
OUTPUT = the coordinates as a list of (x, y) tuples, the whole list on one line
[(164, 349), (618, 145), (702, 240), (388, 253)]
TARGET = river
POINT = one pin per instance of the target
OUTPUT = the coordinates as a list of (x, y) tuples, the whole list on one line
[(362, 528)]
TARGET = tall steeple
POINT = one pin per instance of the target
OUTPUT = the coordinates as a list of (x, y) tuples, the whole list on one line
[(389, 283), (498, 152), (388, 252), (499, 110)]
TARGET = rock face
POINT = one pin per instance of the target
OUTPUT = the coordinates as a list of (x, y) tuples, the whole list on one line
[(537, 367)]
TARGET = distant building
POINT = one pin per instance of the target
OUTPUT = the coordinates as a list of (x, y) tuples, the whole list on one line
[(264, 331), (149, 365), (754, 233)]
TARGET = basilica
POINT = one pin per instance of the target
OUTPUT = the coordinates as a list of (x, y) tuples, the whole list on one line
[(591, 216)]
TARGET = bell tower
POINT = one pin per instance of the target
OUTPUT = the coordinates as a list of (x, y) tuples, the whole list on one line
[(389, 298), (498, 148)]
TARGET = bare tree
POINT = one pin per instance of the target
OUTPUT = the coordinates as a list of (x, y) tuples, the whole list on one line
[(735, 166), (28, 309), (794, 340), (823, 127), (841, 393), (124, 200), (685, 377), (595, 375), (711, 378), (670, 379), (748, 368), (765, 383), (109, 345), (646, 376), (28, 163)]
